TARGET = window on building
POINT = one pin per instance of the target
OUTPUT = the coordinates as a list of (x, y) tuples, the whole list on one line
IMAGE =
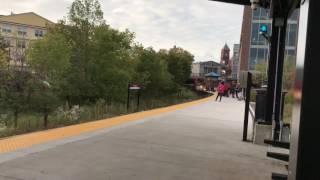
[(290, 53), (260, 14), (6, 29), (22, 31), (264, 14), (292, 35), (254, 34), (262, 55), (38, 33), (256, 37), (257, 55), (7, 42), (253, 58), (256, 14), (21, 44)]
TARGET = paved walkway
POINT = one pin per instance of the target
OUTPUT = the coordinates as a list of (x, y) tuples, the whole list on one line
[(194, 141)]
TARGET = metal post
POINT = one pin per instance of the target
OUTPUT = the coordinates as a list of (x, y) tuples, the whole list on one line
[(138, 101), (279, 74), (283, 99), (247, 106), (128, 97), (271, 72)]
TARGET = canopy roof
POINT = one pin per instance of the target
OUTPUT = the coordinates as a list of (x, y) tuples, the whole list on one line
[(241, 2), (289, 5), (212, 74)]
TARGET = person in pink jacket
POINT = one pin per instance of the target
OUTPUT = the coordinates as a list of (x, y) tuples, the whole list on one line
[(221, 89)]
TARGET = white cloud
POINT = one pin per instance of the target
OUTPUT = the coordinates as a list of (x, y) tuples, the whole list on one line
[(200, 26)]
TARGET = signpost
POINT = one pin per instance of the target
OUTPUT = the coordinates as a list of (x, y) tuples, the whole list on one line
[(135, 88)]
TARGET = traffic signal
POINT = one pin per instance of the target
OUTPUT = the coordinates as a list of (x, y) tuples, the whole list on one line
[(264, 29)]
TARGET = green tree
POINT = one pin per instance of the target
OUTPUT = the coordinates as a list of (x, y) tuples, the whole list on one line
[(86, 13), (3, 54), (14, 80), (84, 16), (44, 99), (260, 75), (49, 59), (289, 73), (179, 64), (15, 92), (152, 72), (109, 68)]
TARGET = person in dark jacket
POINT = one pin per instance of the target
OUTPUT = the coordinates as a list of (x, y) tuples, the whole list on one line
[(233, 89)]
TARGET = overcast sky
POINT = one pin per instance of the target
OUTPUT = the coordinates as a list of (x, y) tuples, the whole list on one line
[(200, 26)]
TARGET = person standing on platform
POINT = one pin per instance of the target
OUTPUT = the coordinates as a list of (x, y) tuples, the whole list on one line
[(221, 90), (233, 89), (238, 89)]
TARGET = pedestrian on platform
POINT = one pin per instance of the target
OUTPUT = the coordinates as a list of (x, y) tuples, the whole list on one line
[(221, 90), (233, 89), (238, 89), (226, 89)]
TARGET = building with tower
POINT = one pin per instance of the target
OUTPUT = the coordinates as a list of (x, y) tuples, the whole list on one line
[(254, 47), (235, 61), (225, 61)]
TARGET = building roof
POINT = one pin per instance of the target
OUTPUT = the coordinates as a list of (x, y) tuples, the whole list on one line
[(212, 63), (29, 18)]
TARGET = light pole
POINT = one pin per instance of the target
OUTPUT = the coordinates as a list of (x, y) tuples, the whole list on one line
[(223, 73), (264, 32)]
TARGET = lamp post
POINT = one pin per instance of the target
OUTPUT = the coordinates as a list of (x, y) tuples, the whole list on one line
[(223, 73), (264, 32)]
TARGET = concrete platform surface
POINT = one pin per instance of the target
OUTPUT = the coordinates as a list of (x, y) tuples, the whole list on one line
[(202, 142)]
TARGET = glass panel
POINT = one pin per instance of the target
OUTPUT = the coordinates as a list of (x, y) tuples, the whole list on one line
[(253, 58), (6, 29), (256, 14), (292, 35), (290, 53), (22, 31), (264, 14), (38, 33), (261, 55), (255, 34)]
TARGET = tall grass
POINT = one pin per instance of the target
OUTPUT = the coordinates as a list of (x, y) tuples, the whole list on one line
[(30, 122)]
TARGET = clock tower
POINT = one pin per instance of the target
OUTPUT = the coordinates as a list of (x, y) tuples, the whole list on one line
[(225, 55), (225, 60)]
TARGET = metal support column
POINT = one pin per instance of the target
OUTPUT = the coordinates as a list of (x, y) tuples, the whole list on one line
[(247, 106), (275, 66), (279, 74), (271, 73)]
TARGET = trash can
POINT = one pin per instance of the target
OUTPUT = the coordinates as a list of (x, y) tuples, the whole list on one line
[(261, 102)]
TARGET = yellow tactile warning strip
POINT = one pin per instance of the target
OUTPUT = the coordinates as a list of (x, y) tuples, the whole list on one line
[(24, 141)]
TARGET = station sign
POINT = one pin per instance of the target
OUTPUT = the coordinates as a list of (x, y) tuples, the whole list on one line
[(134, 87)]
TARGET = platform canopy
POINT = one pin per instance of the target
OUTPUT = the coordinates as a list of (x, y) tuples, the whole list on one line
[(213, 75), (289, 5), (241, 2)]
